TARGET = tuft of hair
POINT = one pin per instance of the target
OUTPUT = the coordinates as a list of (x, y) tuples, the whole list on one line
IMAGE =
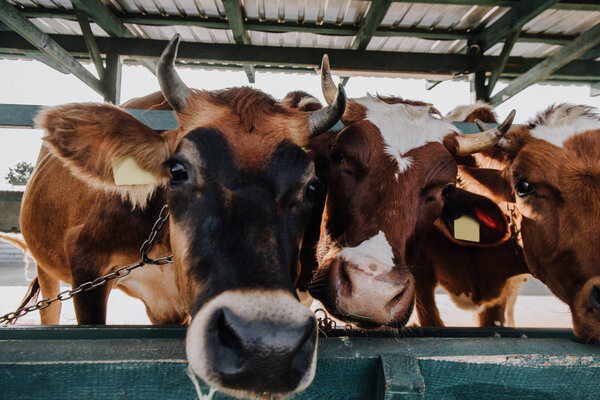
[(469, 112), (301, 100), (559, 122)]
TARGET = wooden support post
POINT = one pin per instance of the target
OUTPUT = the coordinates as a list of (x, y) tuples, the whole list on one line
[(345, 80), (44, 43), (112, 78), (510, 41), (584, 42), (370, 24), (90, 41), (108, 21), (233, 10), (481, 90)]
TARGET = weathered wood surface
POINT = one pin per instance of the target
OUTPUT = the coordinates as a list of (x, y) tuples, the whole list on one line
[(149, 362), (23, 115)]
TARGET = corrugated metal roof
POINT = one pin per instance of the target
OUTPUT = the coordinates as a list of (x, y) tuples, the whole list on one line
[(339, 12)]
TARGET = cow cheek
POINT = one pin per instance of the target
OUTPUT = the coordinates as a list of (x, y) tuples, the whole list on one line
[(180, 245), (586, 318)]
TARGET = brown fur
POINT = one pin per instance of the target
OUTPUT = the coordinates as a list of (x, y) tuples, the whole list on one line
[(560, 225), (78, 225)]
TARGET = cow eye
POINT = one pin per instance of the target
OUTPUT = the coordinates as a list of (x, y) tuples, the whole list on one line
[(178, 173), (314, 190), (448, 189), (524, 188), (337, 157)]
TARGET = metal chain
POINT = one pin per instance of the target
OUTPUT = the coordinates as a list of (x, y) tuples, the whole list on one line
[(101, 280)]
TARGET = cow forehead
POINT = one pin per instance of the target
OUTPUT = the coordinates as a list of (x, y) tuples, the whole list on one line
[(558, 124), (404, 127)]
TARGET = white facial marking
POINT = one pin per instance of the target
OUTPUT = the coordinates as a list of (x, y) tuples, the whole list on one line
[(566, 121), (373, 256), (460, 113), (404, 127), (307, 100)]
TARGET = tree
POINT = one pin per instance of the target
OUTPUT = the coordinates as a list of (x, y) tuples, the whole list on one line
[(19, 174)]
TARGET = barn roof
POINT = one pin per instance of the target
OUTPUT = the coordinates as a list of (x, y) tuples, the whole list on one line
[(525, 41)]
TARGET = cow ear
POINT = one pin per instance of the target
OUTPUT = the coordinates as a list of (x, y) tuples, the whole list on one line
[(319, 149), (468, 218), (93, 139)]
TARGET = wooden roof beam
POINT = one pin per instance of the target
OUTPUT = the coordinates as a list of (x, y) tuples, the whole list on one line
[(515, 18), (233, 10), (372, 20), (584, 42), (562, 5), (46, 45), (104, 17)]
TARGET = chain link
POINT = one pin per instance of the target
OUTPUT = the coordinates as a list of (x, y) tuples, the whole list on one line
[(101, 280)]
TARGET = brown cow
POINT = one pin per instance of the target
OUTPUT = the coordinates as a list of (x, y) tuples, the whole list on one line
[(552, 173), (390, 174), (486, 279), (239, 188)]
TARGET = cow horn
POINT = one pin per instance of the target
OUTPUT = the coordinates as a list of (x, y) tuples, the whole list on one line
[(327, 85), (322, 120), (172, 87), (469, 144)]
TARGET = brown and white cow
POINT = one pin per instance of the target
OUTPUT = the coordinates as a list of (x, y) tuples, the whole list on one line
[(390, 173), (552, 173), (483, 279), (239, 188)]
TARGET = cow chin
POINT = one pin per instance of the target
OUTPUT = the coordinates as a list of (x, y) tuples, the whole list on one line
[(586, 311), (248, 342)]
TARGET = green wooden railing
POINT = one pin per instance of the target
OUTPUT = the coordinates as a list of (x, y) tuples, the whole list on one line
[(150, 363), (23, 116)]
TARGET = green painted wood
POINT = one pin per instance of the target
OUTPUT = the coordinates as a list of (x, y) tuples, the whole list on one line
[(111, 80), (149, 362), (23, 116), (45, 59), (10, 199), (341, 59), (399, 378), (42, 42), (369, 25), (515, 18), (90, 41), (563, 5), (586, 41), (509, 43), (107, 20), (236, 24)]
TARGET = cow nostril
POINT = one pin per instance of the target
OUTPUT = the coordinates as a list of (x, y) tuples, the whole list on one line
[(345, 280), (229, 348), (595, 297)]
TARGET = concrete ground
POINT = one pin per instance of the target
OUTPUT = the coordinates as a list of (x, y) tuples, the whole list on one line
[(535, 306)]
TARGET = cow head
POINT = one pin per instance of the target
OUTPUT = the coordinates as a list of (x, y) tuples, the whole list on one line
[(390, 172), (239, 188), (552, 173)]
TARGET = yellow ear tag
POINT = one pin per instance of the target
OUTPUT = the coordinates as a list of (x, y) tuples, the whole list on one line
[(127, 172), (466, 228)]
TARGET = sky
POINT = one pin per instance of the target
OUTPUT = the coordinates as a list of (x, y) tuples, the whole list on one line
[(31, 82)]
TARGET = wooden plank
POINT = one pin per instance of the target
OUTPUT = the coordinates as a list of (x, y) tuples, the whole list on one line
[(372, 20), (583, 43), (515, 18), (111, 24), (42, 42), (563, 5), (90, 41), (149, 362), (341, 59), (509, 43), (112, 78), (236, 23)]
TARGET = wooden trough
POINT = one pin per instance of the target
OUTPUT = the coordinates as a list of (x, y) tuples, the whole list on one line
[(414, 363)]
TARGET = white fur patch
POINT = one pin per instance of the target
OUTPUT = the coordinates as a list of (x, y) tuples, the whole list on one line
[(460, 113), (373, 256), (566, 121), (404, 127), (307, 100)]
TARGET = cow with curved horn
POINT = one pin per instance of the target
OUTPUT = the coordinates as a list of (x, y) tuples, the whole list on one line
[(390, 172), (239, 188), (551, 172)]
